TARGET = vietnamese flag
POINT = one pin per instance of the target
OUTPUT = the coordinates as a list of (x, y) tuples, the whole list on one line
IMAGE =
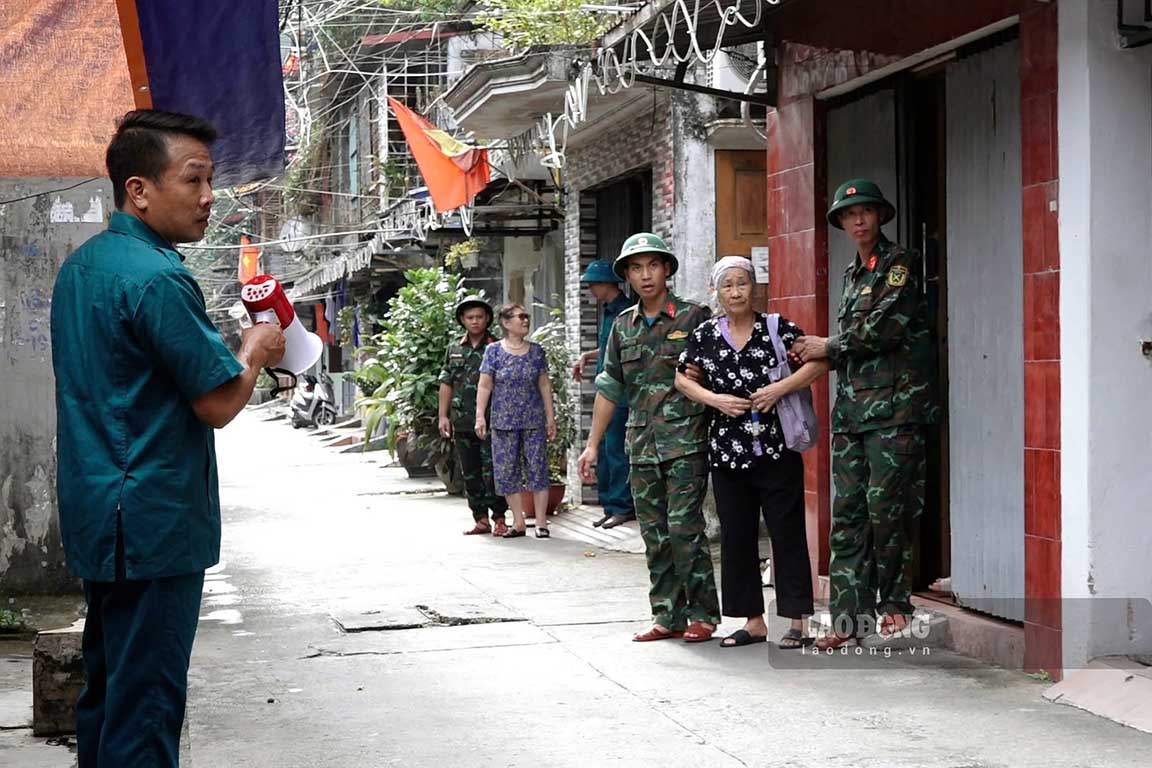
[(453, 171), (249, 259)]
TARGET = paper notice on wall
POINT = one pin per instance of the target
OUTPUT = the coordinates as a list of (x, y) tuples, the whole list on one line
[(760, 263)]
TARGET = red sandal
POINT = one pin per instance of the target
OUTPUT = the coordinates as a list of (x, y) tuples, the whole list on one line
[(656, 633), (832, 641), (479, 529), (698, 632)]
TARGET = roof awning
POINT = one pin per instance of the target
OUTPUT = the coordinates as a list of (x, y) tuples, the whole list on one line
[(68, 70), (503, 98)]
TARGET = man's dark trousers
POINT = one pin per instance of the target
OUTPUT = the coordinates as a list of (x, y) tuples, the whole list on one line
[(612, 468), (137, 643)]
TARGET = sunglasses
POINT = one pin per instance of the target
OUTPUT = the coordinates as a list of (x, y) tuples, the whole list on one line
[(521, 316)]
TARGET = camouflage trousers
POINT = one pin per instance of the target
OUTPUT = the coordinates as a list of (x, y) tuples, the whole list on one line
[(668, 498), (475, 457), (879, 479)]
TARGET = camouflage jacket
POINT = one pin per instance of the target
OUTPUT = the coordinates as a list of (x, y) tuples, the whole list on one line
[(883, 352), (462, 372), (640, 371)]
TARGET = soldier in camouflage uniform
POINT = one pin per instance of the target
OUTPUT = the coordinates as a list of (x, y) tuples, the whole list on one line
[(667, 441), (883, 358), (458, 384)]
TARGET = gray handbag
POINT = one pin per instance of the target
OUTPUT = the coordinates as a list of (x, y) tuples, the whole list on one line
[(796, 412)]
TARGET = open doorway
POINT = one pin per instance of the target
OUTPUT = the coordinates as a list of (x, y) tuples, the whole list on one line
[(944, 145)]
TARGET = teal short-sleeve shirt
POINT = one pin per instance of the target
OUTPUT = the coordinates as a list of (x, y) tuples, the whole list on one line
[(132, 347)]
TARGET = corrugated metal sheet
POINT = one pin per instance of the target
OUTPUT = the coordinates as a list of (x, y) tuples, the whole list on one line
[(985, 331)]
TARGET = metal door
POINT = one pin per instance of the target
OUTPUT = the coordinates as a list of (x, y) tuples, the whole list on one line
[(985, 331)]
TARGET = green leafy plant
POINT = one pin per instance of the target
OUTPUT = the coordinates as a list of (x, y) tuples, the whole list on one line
[(346, 317), (403, 374), (12, 621), (525, 23), (459, 252), (552, 336)]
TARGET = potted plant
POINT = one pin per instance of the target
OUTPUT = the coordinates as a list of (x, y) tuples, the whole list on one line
[(403, 372), (552, 336)]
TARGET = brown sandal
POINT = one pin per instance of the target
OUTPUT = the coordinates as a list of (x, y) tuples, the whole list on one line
[(480, 529), (698, 632), (656, 633), (832, 641)]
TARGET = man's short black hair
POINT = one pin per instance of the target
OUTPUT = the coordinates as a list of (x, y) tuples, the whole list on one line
[(140, 146)]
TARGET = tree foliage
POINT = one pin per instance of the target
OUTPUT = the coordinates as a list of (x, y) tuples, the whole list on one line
[(525, 23)]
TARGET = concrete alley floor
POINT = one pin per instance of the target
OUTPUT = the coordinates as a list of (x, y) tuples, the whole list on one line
[(312, 537), (543, 673)]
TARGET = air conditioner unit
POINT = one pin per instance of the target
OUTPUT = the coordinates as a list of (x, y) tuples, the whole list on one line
[(732, 68)]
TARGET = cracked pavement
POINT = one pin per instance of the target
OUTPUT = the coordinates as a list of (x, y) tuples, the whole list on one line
[(323, 538)]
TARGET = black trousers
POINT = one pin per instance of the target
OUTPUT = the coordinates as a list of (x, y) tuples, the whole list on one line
[(774, 490)]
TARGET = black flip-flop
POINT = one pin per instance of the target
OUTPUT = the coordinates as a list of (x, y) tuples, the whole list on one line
[(601, 521), (542, 533), (794, 639), (515, 534), (742, 637)]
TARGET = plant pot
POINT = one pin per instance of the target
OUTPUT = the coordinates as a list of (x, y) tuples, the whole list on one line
[(555, 497), (416, 462)]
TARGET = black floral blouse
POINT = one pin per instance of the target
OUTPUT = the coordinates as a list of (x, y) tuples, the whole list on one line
[(733, 442)]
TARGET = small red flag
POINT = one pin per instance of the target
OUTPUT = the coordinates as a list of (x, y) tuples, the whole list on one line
[(249, 259)]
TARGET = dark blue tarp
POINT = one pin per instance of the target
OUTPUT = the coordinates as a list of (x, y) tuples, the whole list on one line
[(220, 60)]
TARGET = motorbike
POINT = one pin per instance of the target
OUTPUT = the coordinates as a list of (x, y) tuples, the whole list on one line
[(313, 404)]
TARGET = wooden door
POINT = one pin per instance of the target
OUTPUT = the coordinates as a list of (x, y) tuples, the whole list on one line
[(742, 206)]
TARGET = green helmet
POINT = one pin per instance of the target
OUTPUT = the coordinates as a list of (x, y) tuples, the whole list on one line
[(644, 242), (473, 302), (859, 192)]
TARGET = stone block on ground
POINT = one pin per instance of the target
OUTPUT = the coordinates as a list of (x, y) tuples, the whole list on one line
[(57, 677)]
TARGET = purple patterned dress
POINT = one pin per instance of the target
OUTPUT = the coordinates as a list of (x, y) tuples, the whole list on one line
[(519, 444)]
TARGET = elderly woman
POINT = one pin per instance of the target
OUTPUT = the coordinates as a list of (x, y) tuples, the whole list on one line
[(514, 375), (753, 471)]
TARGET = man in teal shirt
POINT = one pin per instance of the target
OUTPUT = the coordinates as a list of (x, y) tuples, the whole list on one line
[(612, 484), (142, 378)]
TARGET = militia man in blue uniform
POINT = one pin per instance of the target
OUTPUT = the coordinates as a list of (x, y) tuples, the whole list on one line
[(612, 469), (142, 380)]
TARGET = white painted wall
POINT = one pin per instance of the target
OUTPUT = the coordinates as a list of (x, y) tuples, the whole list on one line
[(694, 210), (1105, 146)]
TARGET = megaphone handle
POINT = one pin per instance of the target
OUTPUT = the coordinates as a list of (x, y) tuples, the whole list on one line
[(274, 373)]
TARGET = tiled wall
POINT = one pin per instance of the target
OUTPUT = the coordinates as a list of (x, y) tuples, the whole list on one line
[(798, 280), (1041, 338)]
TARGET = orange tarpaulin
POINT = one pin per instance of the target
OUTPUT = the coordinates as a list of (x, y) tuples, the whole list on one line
[(63, 83), (453, 171)]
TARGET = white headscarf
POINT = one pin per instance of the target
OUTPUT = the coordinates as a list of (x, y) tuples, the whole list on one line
[(730, 262)]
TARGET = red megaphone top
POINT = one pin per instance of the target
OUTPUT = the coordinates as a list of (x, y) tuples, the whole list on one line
[(263, 294)]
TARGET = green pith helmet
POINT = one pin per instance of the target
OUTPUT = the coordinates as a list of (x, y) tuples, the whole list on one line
[(644, 242), (860, 192), (472, 302)]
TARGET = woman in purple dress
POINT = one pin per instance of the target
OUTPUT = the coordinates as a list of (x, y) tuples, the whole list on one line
[(514, 375)]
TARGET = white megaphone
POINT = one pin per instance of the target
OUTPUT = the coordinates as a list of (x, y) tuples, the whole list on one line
[(266, 302)]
